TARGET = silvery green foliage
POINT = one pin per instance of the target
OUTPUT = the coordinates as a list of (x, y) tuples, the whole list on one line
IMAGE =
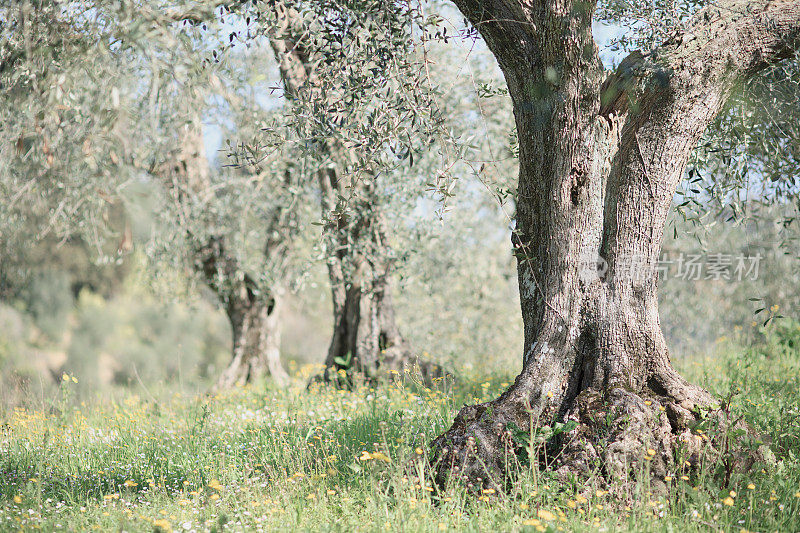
[(59, 106), (255, 202), (373, 100), (751, 156), (94, 97), (473, 315), (646, 24)]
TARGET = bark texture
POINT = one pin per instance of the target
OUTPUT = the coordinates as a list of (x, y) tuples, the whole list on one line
[(253, 311), (366, 342), (600, 158)]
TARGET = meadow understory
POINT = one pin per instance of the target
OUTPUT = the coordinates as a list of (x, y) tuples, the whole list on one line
[(262, 458)]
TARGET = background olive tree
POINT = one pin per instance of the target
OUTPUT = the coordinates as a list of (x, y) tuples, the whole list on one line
[(139, 133)]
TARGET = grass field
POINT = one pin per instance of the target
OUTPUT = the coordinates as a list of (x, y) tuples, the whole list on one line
[(264, 459)]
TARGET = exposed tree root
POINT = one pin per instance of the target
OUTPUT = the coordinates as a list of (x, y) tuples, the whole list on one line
[(621, 436)]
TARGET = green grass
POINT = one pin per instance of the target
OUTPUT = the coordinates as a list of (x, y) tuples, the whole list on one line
[(259, 458)]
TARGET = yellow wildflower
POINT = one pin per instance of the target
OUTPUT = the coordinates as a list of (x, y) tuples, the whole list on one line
[(381, 457), (163, 524), (545, 515)]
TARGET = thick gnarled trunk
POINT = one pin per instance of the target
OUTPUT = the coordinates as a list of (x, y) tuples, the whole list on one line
[(366, 343), (254, 315), (602, 362), (599, 164)]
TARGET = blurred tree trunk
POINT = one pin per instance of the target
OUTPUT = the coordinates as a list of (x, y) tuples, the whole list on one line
[(366, 342), (255, 322), (600, 159), (253, 311)]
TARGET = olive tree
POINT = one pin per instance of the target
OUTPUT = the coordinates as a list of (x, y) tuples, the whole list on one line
[(601, 155), (99, 96), (233, 224), (364, 110), (250, 297)]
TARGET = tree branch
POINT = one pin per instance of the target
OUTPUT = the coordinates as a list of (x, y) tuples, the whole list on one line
[(665, 100), (504, 26), (528, 38), (725, 43), (285, 38)]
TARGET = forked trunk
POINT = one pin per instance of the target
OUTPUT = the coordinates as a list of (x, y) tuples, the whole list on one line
[(599, 164), (256, 341), (251, 310), (254, 314)]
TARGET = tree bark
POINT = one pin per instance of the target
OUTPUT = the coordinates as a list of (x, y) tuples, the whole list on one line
[(366, 342), (255, 327), (599, 164), (253, 311)]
